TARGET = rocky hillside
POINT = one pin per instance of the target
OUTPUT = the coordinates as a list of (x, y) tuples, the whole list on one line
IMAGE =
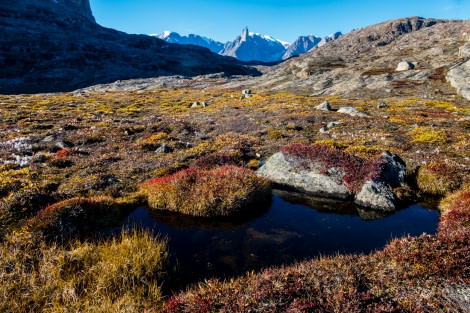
[(55, 45), (365, 61)]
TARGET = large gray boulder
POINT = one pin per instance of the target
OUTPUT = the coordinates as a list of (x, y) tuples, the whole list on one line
[(278, 170), (459, 78), (375, 193)]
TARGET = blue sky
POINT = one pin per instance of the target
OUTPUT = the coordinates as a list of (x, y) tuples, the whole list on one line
[(285, 20)]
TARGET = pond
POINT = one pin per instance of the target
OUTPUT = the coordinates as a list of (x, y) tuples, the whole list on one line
[(293, 228)]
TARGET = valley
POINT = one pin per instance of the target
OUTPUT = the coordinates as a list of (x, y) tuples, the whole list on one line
[(108, 138)]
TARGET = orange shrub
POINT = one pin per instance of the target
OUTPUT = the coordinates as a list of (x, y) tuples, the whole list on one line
[(215, 192)]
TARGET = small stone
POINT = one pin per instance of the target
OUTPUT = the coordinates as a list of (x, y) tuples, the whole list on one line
[(164, 148), (204, 104), (246, 92), (325, 106), (388, 90), (334, 124), (64, 144), (195, 104), (352, 112), (382, 105), (323, 130), (404, 66), (50, 138)]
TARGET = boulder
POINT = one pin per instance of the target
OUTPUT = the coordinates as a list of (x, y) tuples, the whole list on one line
[(325, 106), (404, 66), (314, 179), (280, 171), (164, 148), (382, 105), (334, 124), (352, 112), (458, 77)]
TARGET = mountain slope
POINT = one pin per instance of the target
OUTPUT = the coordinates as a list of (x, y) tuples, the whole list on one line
[(51, 45), (191, 39), (364, 61)]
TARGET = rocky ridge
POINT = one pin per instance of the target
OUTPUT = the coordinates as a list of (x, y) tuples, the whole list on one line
[(365, 60)]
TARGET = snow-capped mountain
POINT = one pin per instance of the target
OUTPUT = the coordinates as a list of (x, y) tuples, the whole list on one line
[(191, 39), (301, 45), (252, 46), (255, 47)]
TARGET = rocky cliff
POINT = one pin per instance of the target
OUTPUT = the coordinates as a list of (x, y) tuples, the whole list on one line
[(55, 45)]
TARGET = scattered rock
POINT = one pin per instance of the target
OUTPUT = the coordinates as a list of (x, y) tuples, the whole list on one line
[(376, 193), (50, 138), (164, 148), (195, 104), (323, 130), (352, 112), (382, 105), (334, 124), (204, 104), (404, 66), (246, 92), (325, 106), (64, 144)]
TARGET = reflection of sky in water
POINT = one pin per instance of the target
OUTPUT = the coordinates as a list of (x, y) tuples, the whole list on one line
[(287, 232)]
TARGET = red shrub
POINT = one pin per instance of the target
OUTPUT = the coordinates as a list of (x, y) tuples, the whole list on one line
[(355, 170), (216, 192)]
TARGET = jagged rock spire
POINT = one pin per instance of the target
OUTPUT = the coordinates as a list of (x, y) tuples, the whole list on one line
[(244, 34)]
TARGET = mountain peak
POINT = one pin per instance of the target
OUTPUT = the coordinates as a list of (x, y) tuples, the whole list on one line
[(245, 34)]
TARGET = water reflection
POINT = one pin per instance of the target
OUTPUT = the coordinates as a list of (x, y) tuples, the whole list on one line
[(287, 232)]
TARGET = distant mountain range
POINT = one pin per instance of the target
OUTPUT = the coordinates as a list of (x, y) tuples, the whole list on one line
[(252, 46)]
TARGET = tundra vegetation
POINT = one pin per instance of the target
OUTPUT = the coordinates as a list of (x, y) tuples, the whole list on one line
[(72, 164)]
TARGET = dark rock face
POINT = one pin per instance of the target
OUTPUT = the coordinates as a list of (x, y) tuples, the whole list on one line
[(49, 45)]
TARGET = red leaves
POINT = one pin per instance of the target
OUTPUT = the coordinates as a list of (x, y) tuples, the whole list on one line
[(356, 170)]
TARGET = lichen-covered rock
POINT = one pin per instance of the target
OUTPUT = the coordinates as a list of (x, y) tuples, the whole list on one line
[(323, 171), (352, 112), (277, 169)]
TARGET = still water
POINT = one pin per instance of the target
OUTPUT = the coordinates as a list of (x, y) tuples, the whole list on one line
[(291, 228)]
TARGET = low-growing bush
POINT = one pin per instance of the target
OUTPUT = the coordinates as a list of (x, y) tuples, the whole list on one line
[(354, 171), (212, 160), (121, 274), (438, 178), (216, 192)]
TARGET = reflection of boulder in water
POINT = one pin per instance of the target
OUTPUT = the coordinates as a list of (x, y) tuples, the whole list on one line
[(370, 215), (181, 221), (327, 205)]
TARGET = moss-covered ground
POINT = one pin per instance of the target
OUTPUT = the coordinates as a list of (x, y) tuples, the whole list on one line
[(100, 147)]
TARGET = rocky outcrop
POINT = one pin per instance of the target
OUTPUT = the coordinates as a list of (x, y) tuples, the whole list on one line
[(279, 170), (459, 78), (51, 46), (315, 174), (459, 75)]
